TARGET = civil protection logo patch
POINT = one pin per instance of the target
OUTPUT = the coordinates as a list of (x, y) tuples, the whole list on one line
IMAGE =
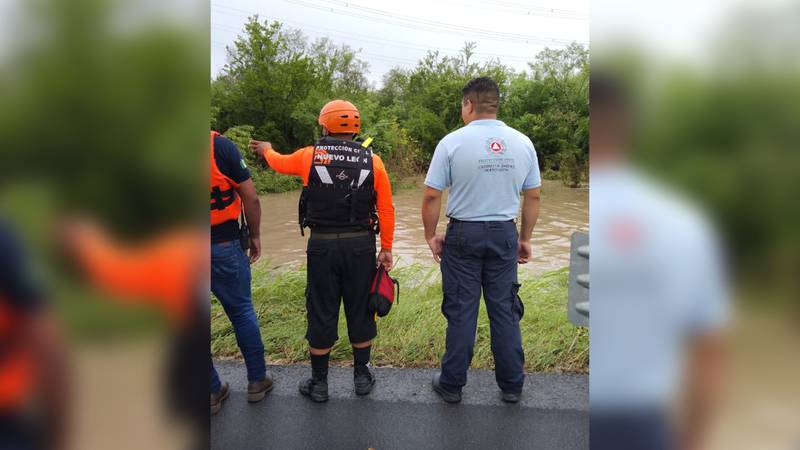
[(495, 146)]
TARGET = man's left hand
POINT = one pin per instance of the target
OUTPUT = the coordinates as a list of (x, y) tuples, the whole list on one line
[(254, 252), (524, 252), (385, 259)]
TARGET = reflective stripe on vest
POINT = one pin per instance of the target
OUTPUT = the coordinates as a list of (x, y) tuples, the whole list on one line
[(225, 202)]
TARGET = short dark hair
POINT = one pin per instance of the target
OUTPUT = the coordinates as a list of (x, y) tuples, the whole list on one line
[(484, 93)]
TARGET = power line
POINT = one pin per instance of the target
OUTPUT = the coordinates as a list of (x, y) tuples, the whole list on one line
[(428, 25), (360, 52), (515, 8), (541, 9), (521, 9), (414, 23), (404, 62), (445, 51), (226, 28), (528, 10), (382, 41)]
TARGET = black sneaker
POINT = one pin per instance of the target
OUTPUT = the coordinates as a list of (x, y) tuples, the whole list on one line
[(510, 397), (315, 389), (363, 380), (448, 396)]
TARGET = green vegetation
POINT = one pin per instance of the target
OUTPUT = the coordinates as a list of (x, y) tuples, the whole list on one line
[(99, 113), (412, 335), (276, 81)]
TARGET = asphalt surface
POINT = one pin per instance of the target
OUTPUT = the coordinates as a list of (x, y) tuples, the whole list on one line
[(402, 413)]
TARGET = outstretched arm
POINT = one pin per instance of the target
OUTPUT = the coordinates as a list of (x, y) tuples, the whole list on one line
[(297, 163), (162, 271)]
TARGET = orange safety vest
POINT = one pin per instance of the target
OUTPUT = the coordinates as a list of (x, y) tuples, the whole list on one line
[(16, 362), (225, 202)]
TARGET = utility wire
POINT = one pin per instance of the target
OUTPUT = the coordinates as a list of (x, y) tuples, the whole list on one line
[(518, 10), (364, 56), (350, 36), (522, 10), (372, 39), (513, 8), (429, 25), (406, 62), (540, 9)]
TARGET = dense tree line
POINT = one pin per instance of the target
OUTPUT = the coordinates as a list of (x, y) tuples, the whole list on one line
[(276, 81)]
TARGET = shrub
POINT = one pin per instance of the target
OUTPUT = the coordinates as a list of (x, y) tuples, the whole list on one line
[(570, 169)]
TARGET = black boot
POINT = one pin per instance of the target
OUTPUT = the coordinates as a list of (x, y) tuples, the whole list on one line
[(444, 393), (315, 388), (363, 380)]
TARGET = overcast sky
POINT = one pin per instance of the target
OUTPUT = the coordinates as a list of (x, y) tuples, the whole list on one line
[(398, 33)]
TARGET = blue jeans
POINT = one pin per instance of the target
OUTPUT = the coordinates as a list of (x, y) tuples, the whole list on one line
[(481, 256), (230, 283)]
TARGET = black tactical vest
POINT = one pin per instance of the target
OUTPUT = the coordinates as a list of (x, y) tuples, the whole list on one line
[(340, 195)]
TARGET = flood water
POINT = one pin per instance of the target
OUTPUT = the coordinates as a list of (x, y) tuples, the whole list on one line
[(563, 211)]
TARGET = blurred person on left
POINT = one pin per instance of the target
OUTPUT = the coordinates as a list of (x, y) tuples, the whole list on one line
[(32, 359)]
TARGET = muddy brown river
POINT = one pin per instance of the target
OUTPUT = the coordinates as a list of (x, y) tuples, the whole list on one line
[(563, 211)]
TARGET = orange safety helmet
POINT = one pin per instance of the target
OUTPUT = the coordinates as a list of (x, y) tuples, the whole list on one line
[(340, 116)]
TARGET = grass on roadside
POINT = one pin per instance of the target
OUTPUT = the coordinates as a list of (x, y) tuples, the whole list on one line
[(412, 335)]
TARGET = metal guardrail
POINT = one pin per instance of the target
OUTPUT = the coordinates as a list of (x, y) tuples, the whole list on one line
[(578, 293)]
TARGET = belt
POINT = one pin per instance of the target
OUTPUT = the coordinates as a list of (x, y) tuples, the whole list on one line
[(452, 220), (352, 234)]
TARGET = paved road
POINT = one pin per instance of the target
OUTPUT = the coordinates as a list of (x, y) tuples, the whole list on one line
[(403, 413)]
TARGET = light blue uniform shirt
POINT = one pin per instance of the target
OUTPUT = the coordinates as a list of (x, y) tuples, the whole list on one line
[(486, 165)]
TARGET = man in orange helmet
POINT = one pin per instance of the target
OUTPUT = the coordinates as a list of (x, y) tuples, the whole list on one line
[(346, 200)]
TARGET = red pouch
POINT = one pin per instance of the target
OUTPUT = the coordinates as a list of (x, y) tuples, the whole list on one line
[(382, 292)]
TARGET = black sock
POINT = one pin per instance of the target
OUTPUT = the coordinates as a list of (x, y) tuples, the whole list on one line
[(361, 355), (319, 366)]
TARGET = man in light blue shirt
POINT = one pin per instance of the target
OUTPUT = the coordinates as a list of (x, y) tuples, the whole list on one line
[(486, 165)]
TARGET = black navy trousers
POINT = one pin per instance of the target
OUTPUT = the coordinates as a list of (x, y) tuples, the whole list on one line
[(340, 271), (481, 256)]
